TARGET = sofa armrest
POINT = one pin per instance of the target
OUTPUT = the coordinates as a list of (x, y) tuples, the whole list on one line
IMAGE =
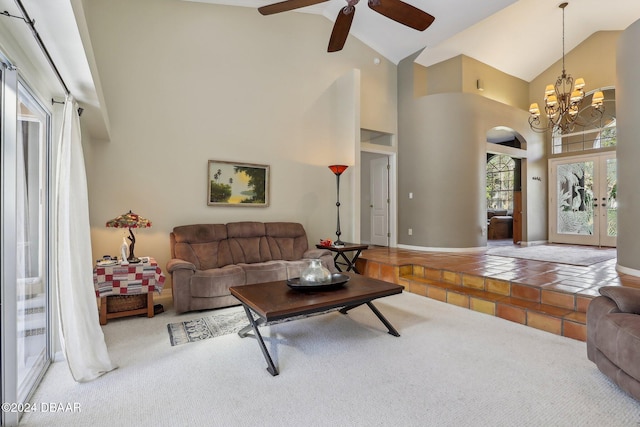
[(316, 253), (627, 299), (179, 264)]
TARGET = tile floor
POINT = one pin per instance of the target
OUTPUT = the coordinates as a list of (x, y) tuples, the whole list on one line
[(549, 296)]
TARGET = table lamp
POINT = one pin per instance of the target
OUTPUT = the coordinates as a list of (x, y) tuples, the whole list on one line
[(130, 220), (337, 170)]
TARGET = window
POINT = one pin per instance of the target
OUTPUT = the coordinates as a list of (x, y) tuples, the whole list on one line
[(500, 182), (597, 135)]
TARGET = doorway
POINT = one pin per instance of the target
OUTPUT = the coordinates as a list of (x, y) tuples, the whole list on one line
[(506, 153), (377, 216), (582, 200)]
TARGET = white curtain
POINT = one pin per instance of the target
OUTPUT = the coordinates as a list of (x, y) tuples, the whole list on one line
[(81, 335)]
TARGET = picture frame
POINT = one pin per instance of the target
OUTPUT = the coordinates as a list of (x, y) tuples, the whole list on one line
[(237, 184)]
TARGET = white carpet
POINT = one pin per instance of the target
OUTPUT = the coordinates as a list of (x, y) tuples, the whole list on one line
[(450, 367), (563, 254)]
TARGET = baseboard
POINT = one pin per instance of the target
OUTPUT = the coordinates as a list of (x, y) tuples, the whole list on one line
[(534, 243), (428, 249), (627, 270)]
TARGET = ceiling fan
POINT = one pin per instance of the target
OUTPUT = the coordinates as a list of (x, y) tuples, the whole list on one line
[(397, 10)]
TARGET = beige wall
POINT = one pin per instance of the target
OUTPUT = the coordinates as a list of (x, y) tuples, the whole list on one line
[(496, 84), (442, 141), (461, 74), (188, 82), (442, 155), (628, 70)]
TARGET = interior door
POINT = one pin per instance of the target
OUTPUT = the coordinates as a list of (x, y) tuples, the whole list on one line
[(380, 201), (582, 202)]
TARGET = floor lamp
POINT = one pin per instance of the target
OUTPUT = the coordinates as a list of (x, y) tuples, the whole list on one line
[(337, 170)]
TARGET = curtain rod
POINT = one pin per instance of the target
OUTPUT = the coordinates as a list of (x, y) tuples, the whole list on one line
[(31, 23)]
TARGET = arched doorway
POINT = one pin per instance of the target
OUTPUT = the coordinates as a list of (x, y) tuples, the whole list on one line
[(504, 185)]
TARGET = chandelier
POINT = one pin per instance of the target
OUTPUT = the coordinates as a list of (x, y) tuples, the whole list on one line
[(562, 102)]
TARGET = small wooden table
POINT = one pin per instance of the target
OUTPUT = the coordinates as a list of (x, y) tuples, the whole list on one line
[(127, 281), (342, 259), (276, 301)]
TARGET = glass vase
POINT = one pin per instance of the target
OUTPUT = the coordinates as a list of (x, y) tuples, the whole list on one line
[(316, 273)]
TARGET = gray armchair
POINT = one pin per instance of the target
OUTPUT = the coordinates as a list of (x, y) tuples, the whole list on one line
[(613, 336)]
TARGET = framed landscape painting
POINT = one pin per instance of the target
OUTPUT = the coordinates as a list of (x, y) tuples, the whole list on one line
[(237, 184)]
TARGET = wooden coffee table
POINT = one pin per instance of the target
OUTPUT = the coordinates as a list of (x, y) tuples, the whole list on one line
[(277, 301)]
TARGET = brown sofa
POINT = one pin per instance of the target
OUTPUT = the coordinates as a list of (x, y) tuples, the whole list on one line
[(613, 336), (207, 259)]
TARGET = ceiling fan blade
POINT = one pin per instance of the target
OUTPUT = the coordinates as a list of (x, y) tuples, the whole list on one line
[(403, 13), (341, 28), (284, 6)]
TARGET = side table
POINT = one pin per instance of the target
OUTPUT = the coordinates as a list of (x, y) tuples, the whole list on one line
[(342, 259), (133, 284)]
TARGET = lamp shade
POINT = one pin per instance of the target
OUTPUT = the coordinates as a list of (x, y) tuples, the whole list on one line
[(338, 169), (597, 99), (534, 109), (129, 220)]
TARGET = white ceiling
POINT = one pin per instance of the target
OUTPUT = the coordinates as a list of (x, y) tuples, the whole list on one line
[(519, 37)]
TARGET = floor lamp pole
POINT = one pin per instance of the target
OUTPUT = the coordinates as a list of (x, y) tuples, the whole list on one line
[(337, 170)]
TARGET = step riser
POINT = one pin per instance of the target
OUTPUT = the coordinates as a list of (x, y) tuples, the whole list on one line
[(551, 311)]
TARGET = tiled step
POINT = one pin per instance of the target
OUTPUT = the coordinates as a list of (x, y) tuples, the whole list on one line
[(549, 310)]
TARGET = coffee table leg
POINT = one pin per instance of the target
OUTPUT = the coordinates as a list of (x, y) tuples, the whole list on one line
[(390, 327), (271, 367), (375, 310), (245, 331)]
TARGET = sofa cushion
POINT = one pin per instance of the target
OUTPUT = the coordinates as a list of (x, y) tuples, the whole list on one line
[(247, 242), (249, 249), (203, 245), (287, 240), (262, 272), (618, 336), (627, 299), (245, 229), (216, 282)]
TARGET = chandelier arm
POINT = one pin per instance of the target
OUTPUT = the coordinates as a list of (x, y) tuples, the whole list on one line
[(562, 101)]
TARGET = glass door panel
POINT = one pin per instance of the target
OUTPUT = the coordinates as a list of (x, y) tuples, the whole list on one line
[(31, 243), (609, 217), (575, 198), (582, 200)]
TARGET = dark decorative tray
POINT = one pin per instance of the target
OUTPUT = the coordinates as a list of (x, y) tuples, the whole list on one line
[(337, 281)]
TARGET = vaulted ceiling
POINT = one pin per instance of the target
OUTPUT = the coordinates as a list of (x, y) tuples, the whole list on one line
[(519, 37)]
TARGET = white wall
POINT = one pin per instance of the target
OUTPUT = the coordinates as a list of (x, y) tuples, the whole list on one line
[(188, 82)]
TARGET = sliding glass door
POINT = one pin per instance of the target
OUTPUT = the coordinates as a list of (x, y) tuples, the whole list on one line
[(25, 352)]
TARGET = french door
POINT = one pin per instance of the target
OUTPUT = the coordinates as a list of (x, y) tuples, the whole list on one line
[(582, 200), (25, 350)]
